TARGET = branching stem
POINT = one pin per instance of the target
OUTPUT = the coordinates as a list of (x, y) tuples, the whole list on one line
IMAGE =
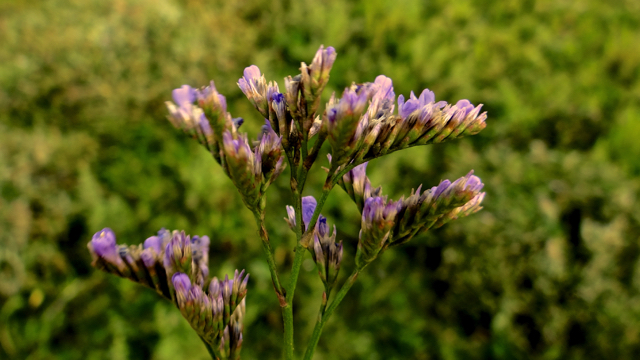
[(325, 314)]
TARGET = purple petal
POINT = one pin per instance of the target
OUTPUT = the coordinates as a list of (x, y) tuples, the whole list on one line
[(104, 244), (308, 207), (251, 74), (154, 243), (181, 283), (427, 97), (441, 187), (184, 95), (465, 105)]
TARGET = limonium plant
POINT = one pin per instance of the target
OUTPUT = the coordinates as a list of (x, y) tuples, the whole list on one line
[(364, 123)]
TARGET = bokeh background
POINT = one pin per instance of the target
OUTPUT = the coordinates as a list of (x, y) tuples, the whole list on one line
[(548, 270)]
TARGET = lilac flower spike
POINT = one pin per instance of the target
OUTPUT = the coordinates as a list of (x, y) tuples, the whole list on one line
[(436, 206), (420, 121)]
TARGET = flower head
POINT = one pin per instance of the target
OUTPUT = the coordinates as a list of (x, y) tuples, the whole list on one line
[(104, 245)]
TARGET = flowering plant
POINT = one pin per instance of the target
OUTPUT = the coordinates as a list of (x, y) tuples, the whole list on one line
[(361, 125)]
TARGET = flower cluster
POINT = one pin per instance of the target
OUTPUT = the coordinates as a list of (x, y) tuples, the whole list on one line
[(365, 122), (251, 168), (176, 266), (327, 254), (389, 223), (357, 136)]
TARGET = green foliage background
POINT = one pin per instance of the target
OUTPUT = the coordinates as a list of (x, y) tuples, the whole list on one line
[(548, 270)]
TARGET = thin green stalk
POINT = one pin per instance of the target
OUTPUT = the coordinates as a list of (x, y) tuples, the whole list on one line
[(324, 315), (214, 355), (287, 309), (266, 247)]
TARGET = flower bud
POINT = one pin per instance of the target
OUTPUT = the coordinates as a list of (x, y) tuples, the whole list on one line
[(104, 246), (313, 80), (327, 254), (378, 218), (177, 254), (342, 121), (182, 285)]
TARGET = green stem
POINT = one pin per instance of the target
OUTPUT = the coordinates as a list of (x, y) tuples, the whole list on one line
[(266, 247), (325, 313), (212, 352), (287, 309)]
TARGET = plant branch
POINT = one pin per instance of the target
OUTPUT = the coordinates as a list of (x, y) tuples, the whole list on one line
[(214, 354), (325, 313), (266, 247)]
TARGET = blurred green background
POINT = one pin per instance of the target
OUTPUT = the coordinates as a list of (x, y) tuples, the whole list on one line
[(548, 270)]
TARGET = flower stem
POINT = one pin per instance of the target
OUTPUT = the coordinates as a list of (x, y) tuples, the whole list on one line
[(212, 352), (266, 247), (324, 315)]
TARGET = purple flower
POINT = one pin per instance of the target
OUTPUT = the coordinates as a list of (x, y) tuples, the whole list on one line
[(184, 96), (200, 256), (154, 243), (227, 287), (255, 88), (104, 245), (236, 148), (209, 96), (315, 76), (378, 218), (205, 126), (273, 91), (426, 97), (291, 217), (473, 183), (214, 288), (182, 284), (383, 87), (465, 107), (358, 176), (251, 78), (352, 102), (279, 106), (148, 257), (444, 184), (343, 121), (308, 208), (177, 254), (327, 254), (324, 58)]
